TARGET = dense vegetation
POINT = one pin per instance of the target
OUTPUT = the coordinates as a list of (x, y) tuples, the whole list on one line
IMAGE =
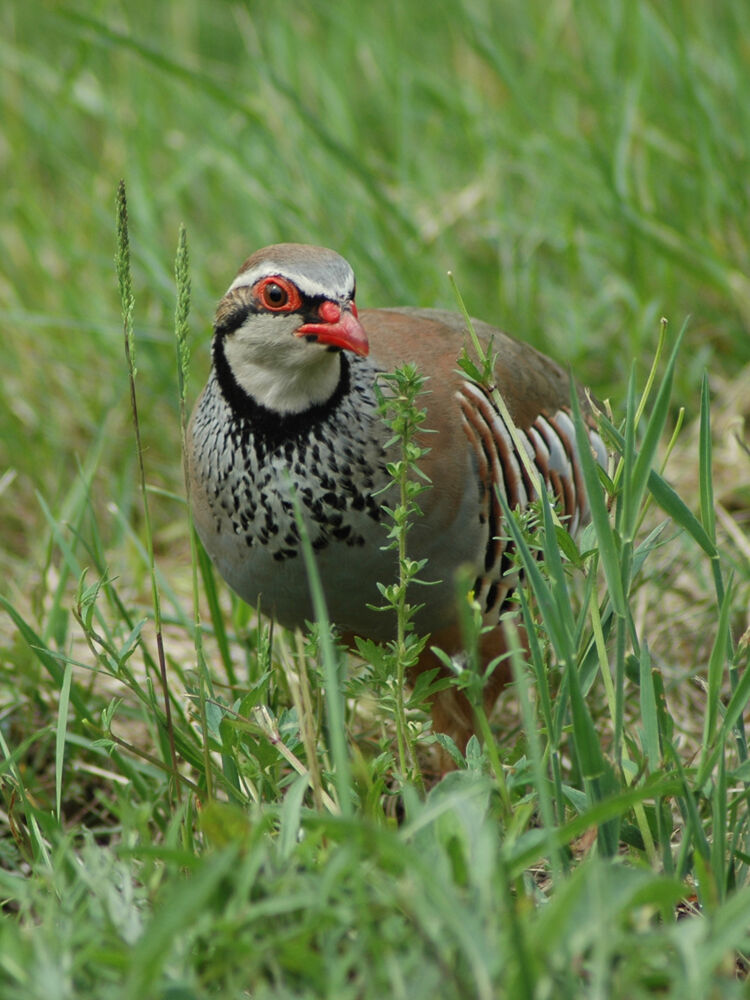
[(582, 169)]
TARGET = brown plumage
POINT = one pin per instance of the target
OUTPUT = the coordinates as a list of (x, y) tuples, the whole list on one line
[(290, 405)]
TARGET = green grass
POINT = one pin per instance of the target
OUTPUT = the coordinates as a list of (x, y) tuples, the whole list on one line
[(582, 171)]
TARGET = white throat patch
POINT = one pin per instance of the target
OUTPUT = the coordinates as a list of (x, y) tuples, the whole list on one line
[(282, 372)]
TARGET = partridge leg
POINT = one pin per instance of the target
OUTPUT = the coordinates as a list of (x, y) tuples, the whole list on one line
[(452, 712)]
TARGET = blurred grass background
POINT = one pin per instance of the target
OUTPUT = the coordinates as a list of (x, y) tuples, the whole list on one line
[(583, 169)]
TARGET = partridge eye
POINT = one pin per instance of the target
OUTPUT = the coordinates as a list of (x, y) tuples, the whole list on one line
[(275, 295)]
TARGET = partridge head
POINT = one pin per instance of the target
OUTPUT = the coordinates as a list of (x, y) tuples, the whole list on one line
[(290, 410)]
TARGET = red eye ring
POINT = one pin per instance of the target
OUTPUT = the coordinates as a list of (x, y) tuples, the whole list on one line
[(276, 294)]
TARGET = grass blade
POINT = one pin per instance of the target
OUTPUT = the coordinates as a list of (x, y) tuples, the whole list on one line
[(555, 624), (61, 730), (649, 714), (608, 553), (122, 268), (716, 663), (654, 427), (333, 697), (705, 480)]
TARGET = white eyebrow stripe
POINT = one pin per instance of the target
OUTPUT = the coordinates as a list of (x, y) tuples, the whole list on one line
[(306, 285)]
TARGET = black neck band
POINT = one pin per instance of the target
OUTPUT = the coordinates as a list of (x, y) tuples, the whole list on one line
[(269, 426)]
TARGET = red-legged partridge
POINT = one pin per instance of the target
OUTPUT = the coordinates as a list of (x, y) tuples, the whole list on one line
[(290, 405)]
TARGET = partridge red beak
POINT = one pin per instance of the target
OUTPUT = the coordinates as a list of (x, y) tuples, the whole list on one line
[(339, 328)]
